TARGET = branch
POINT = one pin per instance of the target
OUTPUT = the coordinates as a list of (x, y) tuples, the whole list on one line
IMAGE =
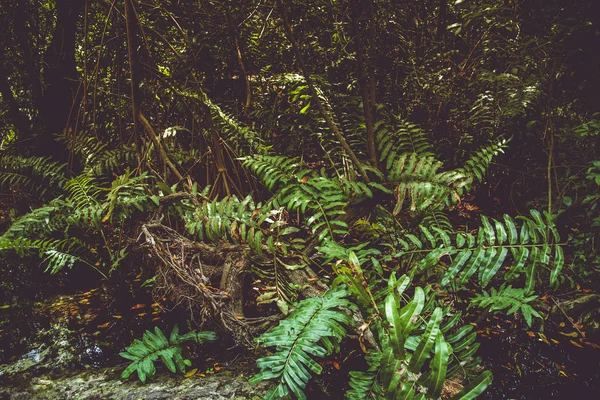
[(158, 145)]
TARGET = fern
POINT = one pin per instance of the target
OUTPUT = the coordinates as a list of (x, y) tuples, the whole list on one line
[(486, 253), (478, 163), (35, 174), (143, 353), (305, 119), (407, 138), (365, 385), (314, 329), (409, 338), (262, 228), (232, 220), (503, 97), (273, 170), (507, 297), (84, 201), (421, 185), (126, 194), (320, 198), (236, 134), (39, 221)]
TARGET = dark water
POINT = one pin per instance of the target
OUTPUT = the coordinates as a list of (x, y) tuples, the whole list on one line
[(527, 368)]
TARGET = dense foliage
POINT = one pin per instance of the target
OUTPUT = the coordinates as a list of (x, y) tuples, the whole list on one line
[(368, 161)]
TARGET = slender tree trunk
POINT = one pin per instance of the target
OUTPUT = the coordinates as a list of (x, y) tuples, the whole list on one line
[(315, 96), (442, 18), (136, 73), (358, 7), (61, 79), (135, 68), (31, 61), (240, 59)]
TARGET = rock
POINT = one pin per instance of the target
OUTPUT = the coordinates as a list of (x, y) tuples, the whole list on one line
[(105, 384)]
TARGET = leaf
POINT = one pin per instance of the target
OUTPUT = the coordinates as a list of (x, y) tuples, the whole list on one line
[(439, 366), (313, 329), (427, 341), (488, 230), (155, 345), (476, 387), (512, 229), (559, 261)]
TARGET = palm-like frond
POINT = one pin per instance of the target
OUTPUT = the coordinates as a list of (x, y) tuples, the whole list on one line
[(314, 329), (154, 345), (483, 255), (33, 174)]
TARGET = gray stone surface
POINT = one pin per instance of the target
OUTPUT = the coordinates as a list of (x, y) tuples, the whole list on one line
[(105, 384)]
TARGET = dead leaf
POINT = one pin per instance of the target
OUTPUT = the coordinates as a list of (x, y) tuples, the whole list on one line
[(191, 372), (569, 334)]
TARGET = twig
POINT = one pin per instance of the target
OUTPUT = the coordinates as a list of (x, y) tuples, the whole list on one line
[(568, 318)]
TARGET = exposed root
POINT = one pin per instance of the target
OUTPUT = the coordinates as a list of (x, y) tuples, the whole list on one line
[(208, 280), (204, 278)]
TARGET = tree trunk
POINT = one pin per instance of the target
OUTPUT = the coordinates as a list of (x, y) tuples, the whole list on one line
[(62, 80), (358, 8)]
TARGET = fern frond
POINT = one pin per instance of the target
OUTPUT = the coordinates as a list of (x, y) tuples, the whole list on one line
[(40, 221), (484, 254), (314, 329), (365, 385), (236, 134), (421, 185), (272, 170), (478, 163), (232, 220), (406, 138), (154, 345), (320, 198), (507, 297), (35, 174), (127, 194), (111, 160)]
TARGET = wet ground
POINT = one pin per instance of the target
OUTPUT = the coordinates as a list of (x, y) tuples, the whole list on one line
[(533, 366), (85, 331)]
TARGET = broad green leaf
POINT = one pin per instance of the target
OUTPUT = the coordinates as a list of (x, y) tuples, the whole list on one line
[(493, 267), (488, 230), (476, 387), (427, 341), (500, 232), (439, 367), (512, 229)]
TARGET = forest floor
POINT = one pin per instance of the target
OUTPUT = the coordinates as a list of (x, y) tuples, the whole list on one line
[(65, 346)]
